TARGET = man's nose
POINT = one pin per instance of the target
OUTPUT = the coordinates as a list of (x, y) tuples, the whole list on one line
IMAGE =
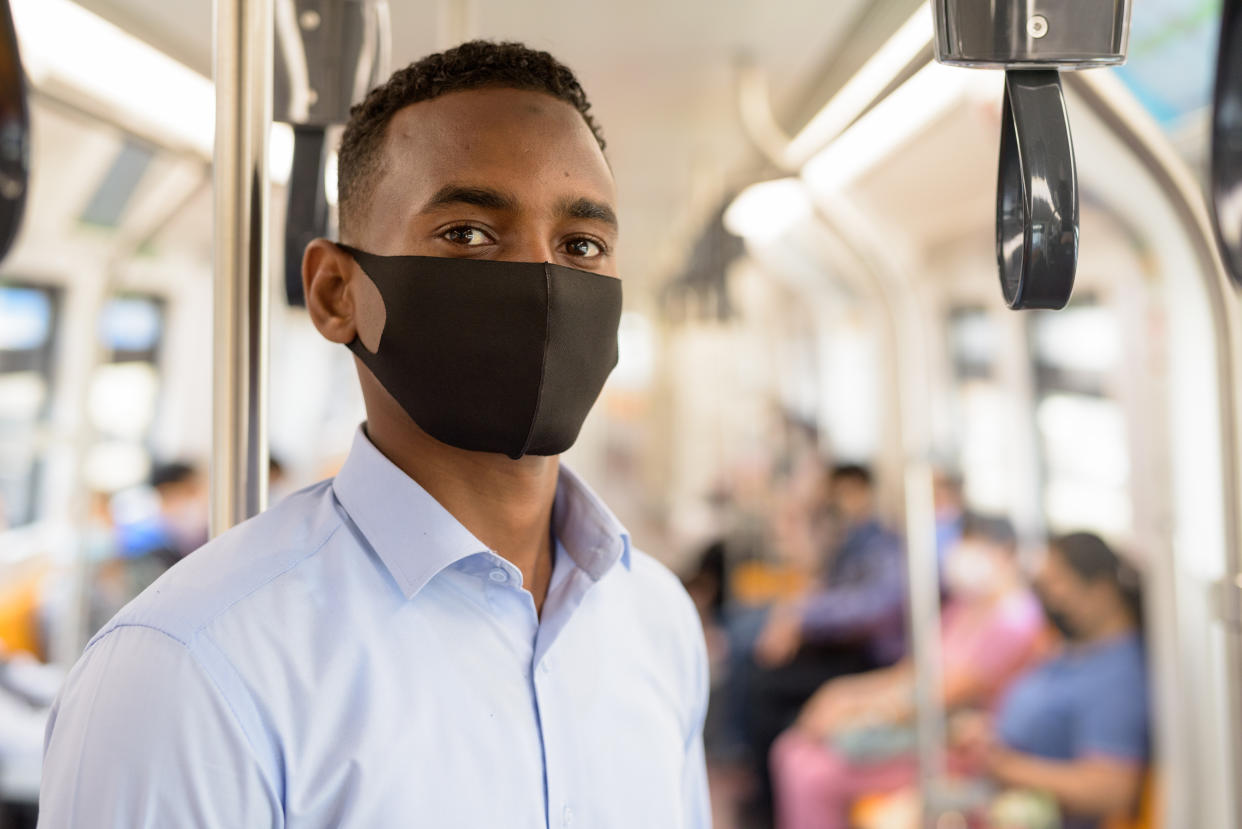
[(530, 246)]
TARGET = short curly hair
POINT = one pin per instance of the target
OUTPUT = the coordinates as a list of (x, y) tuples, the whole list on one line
[(471, 65)]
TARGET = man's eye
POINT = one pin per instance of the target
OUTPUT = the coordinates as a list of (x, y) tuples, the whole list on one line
[(466, 235), (584, 248)]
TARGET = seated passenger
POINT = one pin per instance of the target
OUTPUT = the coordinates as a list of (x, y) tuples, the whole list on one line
[(1077, 726), (854, 736), (852, 621)]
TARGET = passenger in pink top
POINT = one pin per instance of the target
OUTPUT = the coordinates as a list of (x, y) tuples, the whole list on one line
[(854, 737)]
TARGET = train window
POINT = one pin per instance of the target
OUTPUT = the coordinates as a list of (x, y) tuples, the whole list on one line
[(1081, 429), (130, 328), (27, 341), (972, 341), (1078, 347), (981, 421), (124, 391)]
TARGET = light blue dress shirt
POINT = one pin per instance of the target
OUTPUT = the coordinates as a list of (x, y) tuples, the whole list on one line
[(356, 658)]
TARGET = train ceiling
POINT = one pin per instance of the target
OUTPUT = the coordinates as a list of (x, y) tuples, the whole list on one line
[(661, 76)]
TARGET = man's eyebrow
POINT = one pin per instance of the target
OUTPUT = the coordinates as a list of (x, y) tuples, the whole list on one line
[(477, 196), (584, 208)]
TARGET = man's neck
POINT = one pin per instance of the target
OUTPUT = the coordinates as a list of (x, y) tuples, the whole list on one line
[(504, 503)]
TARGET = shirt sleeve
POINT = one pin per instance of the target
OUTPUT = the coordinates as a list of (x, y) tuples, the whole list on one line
[(141, 738), (857, 607)]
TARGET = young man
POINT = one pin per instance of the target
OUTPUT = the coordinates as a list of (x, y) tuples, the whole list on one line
[(454, 632)]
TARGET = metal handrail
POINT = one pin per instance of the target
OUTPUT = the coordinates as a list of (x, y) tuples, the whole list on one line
[(243, 78)]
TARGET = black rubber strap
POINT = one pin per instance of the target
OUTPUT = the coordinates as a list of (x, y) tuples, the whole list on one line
[(307, 214), (1036, 194), (14, 133), (1227, 140)]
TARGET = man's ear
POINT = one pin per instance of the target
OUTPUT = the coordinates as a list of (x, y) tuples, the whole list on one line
[(343, 301), (326, 274)]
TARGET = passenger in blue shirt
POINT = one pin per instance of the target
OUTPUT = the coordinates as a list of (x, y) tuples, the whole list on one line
[(1077, 727), (454, 632)]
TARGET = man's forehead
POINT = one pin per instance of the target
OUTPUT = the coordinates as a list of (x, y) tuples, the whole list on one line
[(466, 117), (502, 137)]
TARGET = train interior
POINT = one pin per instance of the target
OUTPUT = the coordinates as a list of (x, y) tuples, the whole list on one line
[(809, 265)]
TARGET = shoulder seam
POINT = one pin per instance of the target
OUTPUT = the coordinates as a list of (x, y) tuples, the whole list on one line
[(211, 680), (193, 633), (292, 565), (122, 625)]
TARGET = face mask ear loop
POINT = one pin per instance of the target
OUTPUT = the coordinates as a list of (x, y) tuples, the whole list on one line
[(543, 360)]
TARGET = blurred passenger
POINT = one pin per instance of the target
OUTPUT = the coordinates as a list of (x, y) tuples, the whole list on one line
[(182, 491), (1077, 726), (851, 621), (854, 737), (950, 512), (154, 526), (859, 601)]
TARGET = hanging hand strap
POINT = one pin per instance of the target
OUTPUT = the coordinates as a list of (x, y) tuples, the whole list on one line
[(14, 133), (1227, 140), (1037, 193)]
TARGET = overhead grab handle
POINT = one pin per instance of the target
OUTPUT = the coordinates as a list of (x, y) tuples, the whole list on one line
[(1037, 183), (1227, 140), (1036, 193), (329, 54), (14, 133)]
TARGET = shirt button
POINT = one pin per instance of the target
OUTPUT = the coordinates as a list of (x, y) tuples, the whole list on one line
[(567, 816), (543, 666), (499, 576)]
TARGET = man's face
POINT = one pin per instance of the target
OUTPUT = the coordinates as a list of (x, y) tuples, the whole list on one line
[(498, 174), (493, 174), (852, 499)]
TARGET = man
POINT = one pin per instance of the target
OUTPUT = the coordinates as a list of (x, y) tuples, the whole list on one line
[(853, 621), (861, 599), (454, 632)]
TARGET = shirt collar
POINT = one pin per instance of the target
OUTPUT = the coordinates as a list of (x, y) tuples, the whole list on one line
[(415, 537), (411, 533), (586, 528)]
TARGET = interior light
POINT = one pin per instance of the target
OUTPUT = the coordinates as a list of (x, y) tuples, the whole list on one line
[(764, 211), (329, 178), (929, 94), (866, 85), (63, 42), (65, 45), (280, 152)]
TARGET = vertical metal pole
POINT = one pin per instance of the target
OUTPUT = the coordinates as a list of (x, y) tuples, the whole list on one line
[(243, 76), (907, 335), (1103, 96)]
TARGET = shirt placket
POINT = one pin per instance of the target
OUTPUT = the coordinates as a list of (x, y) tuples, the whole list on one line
[(550, 684)]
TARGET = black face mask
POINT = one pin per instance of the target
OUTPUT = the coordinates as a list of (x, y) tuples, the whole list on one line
[(493, 356)]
